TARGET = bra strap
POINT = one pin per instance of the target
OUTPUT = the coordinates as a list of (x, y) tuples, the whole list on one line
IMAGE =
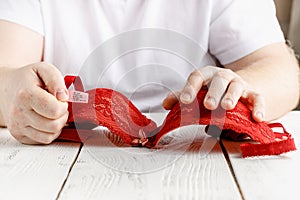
[(76, 81), (283, 143)]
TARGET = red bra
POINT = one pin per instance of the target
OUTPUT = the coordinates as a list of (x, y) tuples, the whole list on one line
[(113, 110)]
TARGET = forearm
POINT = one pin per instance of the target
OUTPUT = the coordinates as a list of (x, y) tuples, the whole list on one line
[(275, 75), (3, 84), (19, 46), (2, 123)]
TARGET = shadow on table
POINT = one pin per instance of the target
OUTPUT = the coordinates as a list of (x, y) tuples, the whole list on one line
[(190, 142), (189, 139)]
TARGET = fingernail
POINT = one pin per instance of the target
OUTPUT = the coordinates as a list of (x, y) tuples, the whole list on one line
[(170, 95), (229, 102), (185, 97), (259, 115), (62, 94), (211, 101)]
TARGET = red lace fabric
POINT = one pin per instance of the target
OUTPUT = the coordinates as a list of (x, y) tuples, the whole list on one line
[(113, 110)]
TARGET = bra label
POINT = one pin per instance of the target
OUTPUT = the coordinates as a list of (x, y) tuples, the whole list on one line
[(78, 97)]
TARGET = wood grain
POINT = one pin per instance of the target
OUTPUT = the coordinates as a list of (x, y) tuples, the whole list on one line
[(33, 172), (275, 177), (189, 165)]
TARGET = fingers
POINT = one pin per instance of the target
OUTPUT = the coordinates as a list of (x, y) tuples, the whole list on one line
[(31, 135), (46, 104), (257, 104), (195, 81), (193, 85), (217, 88), (233, 94), (35, 111), (30, 128), (226, 88), (40, 136), (52, 79), (45, 125), (170, 100)]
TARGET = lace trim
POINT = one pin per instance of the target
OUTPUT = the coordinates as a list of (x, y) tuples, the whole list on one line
[(113, 110)]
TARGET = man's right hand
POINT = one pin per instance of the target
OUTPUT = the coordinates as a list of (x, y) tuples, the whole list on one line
[(34, 105)]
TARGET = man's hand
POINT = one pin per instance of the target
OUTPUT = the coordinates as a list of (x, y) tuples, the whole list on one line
[(267, 80), (34, 108), (225, 88)]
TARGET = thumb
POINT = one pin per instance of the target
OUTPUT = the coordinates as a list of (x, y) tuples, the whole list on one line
[(53, 80)]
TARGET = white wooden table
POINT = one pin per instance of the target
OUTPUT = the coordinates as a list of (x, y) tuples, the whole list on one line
[(105, 168)]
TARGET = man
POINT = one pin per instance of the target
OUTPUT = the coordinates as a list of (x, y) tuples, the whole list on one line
[(244, 36)]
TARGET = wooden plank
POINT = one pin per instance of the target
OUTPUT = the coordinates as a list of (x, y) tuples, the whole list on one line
[(33, 171), (189, 168), (275, 177)]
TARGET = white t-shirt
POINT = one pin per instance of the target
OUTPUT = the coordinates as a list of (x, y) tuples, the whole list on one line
[(144, 48)]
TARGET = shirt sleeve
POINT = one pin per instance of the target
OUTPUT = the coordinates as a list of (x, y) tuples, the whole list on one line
[(26, 13), (243, 27)]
